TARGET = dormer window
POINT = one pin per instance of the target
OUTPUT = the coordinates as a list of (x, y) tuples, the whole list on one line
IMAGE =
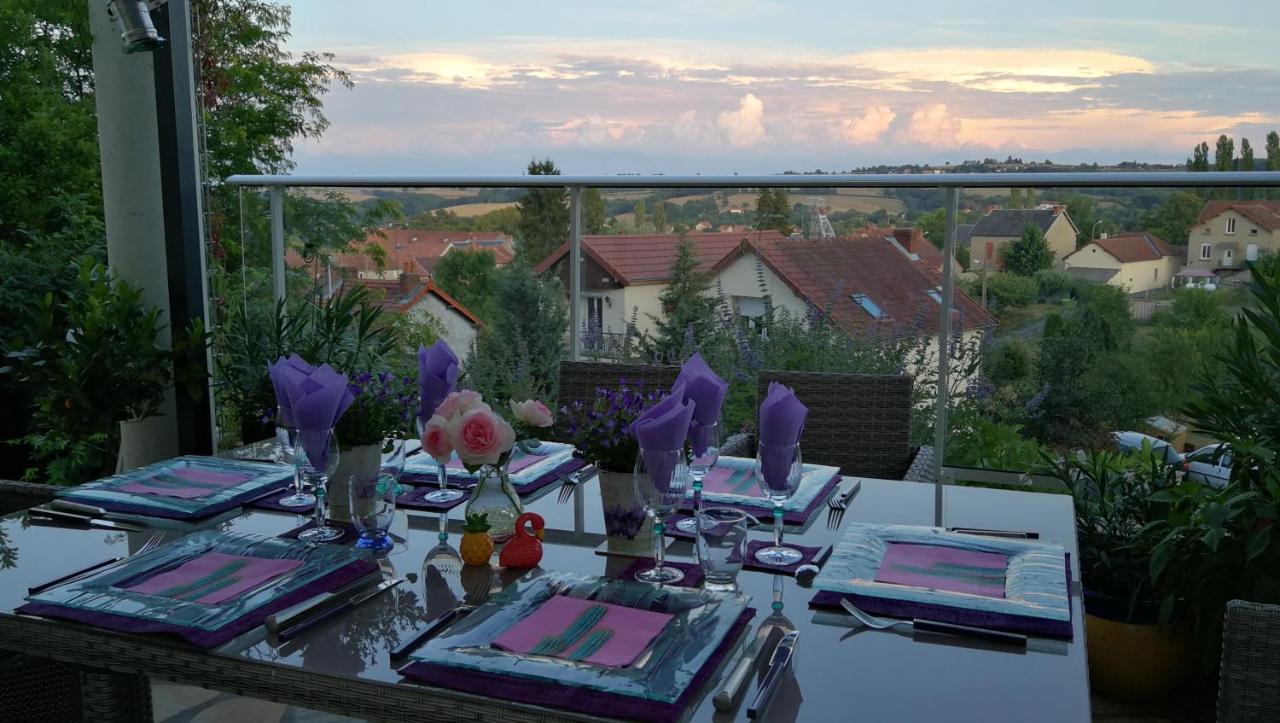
[(935, 295), (1231, 225), (868, 305)]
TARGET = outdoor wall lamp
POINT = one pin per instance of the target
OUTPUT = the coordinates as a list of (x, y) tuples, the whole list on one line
[(133, 17)]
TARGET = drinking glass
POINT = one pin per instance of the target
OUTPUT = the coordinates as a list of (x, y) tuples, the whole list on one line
[(444, 494), (392, 463), (373, 505), (315, 457), (722, 536), (778, 472), (660, 478), (704, 450), (286, 438)]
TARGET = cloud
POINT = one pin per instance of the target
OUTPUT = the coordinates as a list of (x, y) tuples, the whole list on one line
[(743, 127), (932, 125), (869, 127)]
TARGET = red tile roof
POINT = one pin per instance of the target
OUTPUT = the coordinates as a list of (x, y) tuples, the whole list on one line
[(647, 258), (1264, 213), (417, 251), (388, 295), (1135, 246)]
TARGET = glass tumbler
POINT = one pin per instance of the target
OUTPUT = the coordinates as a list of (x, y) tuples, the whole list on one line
[(722, 538), (373, 505)]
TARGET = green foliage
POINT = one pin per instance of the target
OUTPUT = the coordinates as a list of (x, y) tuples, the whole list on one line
[(1193, 309), (1199, 160), (517, 355), (1015, 198), (660, 217), (687, 308), (934, 226), (1003, 290), (544, 215), (963, 257), (1173, 219), (773, 211), (641, 217), (1081, 210), (989, 445), (593, 215), (1028, 254), (1053, 284), (468, 277), (1008, 363), (1224, 154)]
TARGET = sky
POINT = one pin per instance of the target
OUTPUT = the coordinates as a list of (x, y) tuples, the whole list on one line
[(763, 86)]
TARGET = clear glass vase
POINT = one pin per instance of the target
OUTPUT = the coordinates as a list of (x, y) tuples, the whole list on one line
[(493, 495)]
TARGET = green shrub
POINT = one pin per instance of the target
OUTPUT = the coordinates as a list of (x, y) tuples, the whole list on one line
[(1008, 363), (1052, 283), (1004, 290)]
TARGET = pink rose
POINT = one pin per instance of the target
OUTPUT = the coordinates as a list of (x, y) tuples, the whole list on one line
[(436, 439), (532, 412), (458, 402), (481, 436)]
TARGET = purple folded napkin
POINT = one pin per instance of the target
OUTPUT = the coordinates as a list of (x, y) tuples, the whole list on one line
[(278, 374), (781, 423), (661, 429), (214, 577), (437, 376), (317, 401), (186, 483), (944, 568), (584, 630), (706, 391)]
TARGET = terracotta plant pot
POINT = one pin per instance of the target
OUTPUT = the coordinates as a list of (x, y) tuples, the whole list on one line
[(1137, 659)]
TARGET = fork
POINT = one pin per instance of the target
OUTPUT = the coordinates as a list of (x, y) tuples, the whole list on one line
[(571, 483), (933, 626), (839, 504)]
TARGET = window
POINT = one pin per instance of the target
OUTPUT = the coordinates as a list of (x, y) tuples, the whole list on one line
[(1231, 225), (1253, 232), (1156, 276), (867, 305), (595, 314), (991, 247), (1206, 252), (1227, 257), (935, 295)]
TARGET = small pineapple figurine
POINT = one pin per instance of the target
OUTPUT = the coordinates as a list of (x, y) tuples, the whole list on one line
[(477, 546)]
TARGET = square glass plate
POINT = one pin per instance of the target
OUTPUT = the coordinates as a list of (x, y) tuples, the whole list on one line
[(1035, 579), (261, 477), (103, 590), (813, 480), (700, 623), (424, 465)]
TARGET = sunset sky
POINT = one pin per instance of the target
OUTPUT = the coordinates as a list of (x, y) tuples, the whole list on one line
[(760, 86)]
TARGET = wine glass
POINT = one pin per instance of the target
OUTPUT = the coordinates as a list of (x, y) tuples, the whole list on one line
[(373, 505), (444, 494), (286, 439), (660, 478), (315, 456), (704, 450), (778, 472)]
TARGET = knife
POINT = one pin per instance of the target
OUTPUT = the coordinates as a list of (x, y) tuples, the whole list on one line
[(342, 607), (48, 515), (69, 577), (430, 629), (733, 685), (292, 615), (852, 491), (778, 666), (1013, 534)]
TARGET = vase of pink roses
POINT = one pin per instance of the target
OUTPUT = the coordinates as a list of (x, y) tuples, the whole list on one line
[(464, 424)]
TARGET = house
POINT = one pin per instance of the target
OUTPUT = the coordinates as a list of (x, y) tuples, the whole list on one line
[(413, 251), (417, 296), (1229, 233), (1137, 261), (1003, 225)]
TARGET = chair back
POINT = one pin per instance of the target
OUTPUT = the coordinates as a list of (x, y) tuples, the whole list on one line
[(1249, 684), (860, 423), (579, 381), (16, 496)]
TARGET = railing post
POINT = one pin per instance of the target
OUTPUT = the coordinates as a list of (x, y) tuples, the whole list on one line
[(277, 241), (575, 270), (944, 352)]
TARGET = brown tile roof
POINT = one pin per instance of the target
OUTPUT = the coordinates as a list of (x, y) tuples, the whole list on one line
[(647, 258), (416, 251), (1135, 246), (1264, 213), (398, 298)]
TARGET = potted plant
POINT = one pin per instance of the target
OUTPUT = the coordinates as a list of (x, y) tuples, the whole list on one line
[(378, 421), (601, 433), (1138, 639)]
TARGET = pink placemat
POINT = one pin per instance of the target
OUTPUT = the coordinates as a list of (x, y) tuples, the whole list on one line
[(513, 466), (214, 577), (730, 481), (944, 568), (184, 482), (585, 630)]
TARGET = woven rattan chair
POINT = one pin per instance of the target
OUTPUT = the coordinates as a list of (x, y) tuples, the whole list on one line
[(16, 496), (858, 422), (580, 380), (1249, 686)]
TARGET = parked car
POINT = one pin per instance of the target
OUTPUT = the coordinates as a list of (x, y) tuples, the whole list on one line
[(1210, 465), (1131, 442)]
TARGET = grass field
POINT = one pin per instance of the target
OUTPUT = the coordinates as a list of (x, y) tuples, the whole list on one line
[(467, 210)]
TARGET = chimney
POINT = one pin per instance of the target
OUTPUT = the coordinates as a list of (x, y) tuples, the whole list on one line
[(408, 282), (909, 238)]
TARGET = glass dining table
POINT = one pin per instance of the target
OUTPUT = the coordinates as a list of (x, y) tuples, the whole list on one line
[(841, 671)]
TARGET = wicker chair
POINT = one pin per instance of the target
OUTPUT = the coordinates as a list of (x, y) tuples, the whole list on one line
[(860, 423), (580, 380), (16, 496), (1249, 686)]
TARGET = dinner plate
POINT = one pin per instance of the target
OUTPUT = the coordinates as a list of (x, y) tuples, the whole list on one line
[(230, 483)]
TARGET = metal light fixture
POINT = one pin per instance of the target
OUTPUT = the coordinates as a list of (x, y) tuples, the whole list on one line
[(133, 17)]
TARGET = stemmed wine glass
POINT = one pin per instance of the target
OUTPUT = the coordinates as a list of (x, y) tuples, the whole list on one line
[(704, 450), (660, 478), (287, 438), (444, 494), (315, 456), (778, 472)]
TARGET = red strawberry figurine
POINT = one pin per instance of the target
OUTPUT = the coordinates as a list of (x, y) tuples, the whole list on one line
[(524, 550)]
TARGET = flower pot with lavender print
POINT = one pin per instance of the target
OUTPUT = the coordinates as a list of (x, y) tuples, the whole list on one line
[(364, 460), (625, 523)]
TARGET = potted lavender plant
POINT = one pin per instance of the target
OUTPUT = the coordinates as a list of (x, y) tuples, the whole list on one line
[(378, 421), (601, 432)]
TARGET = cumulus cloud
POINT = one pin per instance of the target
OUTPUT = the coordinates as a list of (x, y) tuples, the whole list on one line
[(868, 128), (932, 125), (743, 127)]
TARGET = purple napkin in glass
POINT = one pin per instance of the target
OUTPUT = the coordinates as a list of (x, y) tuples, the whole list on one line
[(437, 376), (781, 423), (317, 402), (214, 577), (584, 630), (278, 374), (944, 568), (661, 429), (706, 391), (186, 483)]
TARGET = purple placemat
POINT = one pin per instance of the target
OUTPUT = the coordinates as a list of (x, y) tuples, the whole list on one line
[(948, 614), (790, 517), (807, 555), (344, 575), (413, 499), (349, 532), (572, 465), (574, 698), (206, 511), (692, 571), (670, 529), (272, 502)]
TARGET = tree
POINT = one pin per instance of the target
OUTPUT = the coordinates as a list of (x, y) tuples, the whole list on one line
[(1015, 198), (468, 277), (1246, 156), (1028, 254), (1030, 201), (773, 211), (517, 354), (544, 215), (593, 215), (641, 218), (1224, 154), (934, 226), (688, 308), (1080, 209), (1173, 219), (660, 217), (1199, 160)]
